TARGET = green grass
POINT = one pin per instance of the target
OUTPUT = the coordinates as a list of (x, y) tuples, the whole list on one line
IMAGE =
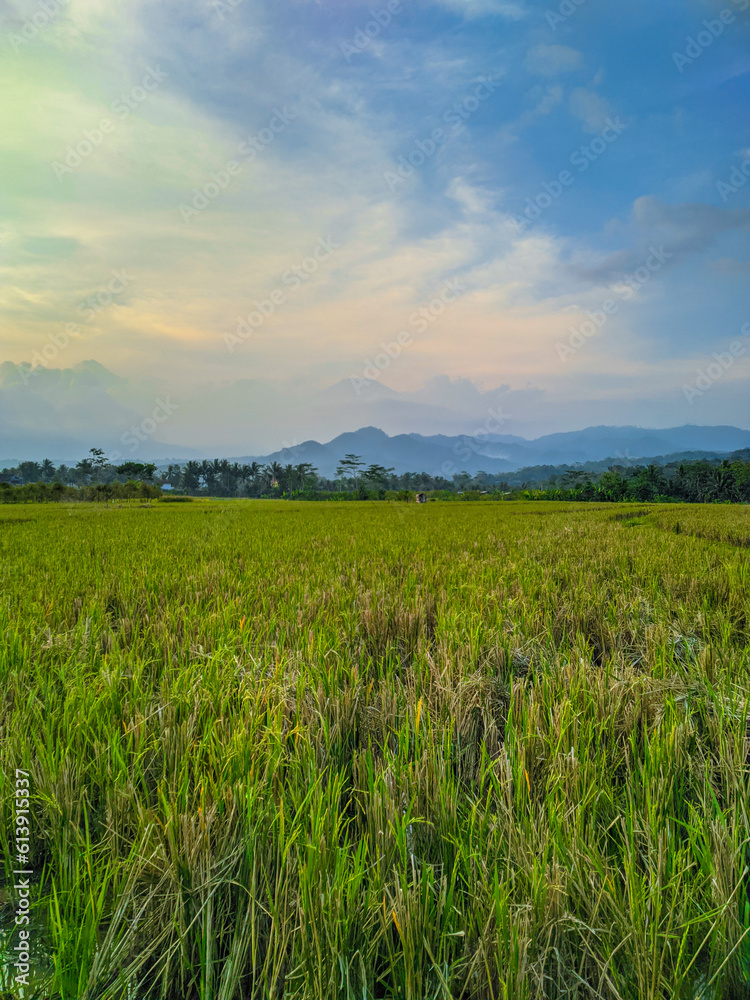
[(380, 750)]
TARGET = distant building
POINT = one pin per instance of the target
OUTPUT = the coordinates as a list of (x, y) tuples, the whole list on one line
[(16, 481), (421, 498)]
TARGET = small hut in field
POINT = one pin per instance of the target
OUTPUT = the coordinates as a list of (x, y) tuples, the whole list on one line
[(421, 498)]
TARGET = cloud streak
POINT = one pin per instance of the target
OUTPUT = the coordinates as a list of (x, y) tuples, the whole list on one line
[(267, 86)]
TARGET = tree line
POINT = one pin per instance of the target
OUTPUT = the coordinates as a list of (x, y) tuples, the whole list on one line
[(95, 478), (222, 478), (726, 481)]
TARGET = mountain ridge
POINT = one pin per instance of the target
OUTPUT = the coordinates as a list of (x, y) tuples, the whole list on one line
[(446, 455)]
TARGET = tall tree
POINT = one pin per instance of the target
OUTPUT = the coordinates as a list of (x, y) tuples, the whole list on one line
[(191, 477), (306, 475), (376, 476), (30, 472), (83, 471), (208, 474), (276, 473), (349, 466), (143, 472)]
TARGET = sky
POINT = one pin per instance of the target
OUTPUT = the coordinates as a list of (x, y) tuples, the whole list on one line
[(253, 222)]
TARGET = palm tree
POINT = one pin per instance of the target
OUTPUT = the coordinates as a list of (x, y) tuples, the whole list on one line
[(273, 473), (229, 477), (305, 471), (251, 477), (84, 469), (287, 482), (208, 474), (191, 477)]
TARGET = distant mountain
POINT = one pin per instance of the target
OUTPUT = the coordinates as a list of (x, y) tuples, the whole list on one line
[(60, 413), (536, 474), (442, 454), (595, 443)]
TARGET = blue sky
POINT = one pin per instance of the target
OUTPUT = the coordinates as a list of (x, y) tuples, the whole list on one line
[(338, 111)]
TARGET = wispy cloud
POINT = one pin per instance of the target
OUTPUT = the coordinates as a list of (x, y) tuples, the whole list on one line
[(551, 60), (228, 82), (591, 108), (485, 8)]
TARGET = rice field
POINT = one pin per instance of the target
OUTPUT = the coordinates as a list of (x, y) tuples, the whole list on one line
[(378, 750)]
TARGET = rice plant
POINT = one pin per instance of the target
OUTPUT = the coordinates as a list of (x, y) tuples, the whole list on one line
[(359, 751)]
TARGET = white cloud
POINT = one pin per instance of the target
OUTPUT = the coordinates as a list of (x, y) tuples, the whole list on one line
[(591, 108), (485, 8), (549, 60), (323, 176), (547, 99)]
